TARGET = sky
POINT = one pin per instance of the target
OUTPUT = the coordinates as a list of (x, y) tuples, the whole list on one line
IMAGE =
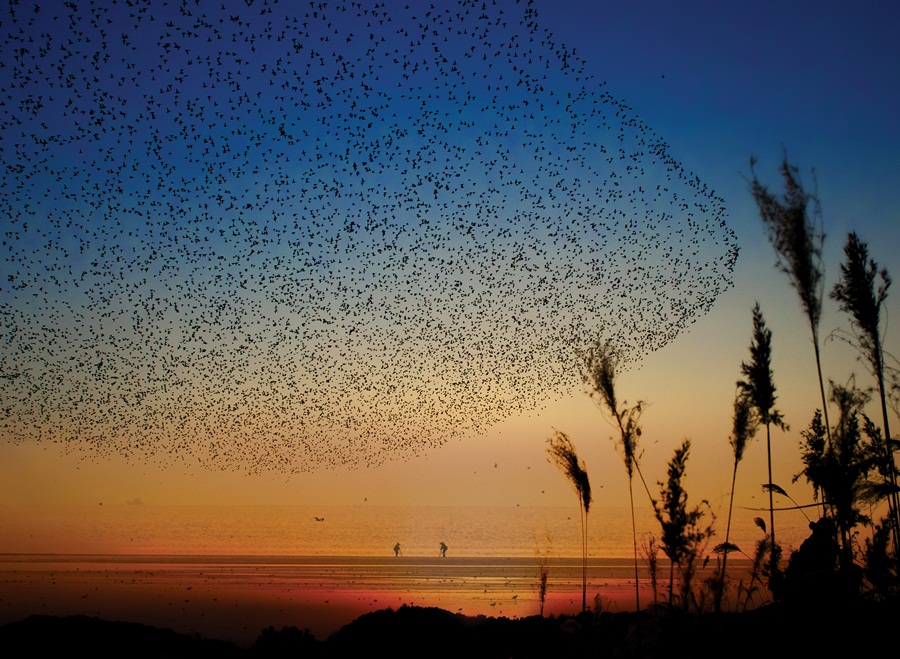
[(418, 381)]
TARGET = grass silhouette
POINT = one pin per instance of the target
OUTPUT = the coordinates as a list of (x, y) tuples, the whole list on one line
[(797, 239), (745, 423), (682, 530), (562, 453), (759, 388), (544, 552), (599, 369), (861, 293)]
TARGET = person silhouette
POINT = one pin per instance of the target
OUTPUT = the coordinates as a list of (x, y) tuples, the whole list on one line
[(443, 550), (397, 549)]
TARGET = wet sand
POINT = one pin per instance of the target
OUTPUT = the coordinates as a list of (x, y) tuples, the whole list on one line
[(235, 597)]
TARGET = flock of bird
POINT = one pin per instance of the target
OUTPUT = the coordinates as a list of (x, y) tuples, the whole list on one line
[(292, 236)]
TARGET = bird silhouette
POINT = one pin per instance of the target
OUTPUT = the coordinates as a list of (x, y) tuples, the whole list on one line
[(273, 236)]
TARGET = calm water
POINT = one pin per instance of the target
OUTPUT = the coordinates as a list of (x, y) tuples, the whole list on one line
[(228, 572), (345, 531)]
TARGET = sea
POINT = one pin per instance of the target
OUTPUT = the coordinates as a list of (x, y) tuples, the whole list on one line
[(488, 531), (230, 571)]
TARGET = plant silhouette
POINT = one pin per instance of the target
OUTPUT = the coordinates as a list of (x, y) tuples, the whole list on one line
[(844, 472), (599, 369), (562, 453), (813, 454), (861, 293), (847, 469), (759, 388), (682, 533), (797, 239), (745, 423), (543, 551), (764, 548), (650, 549)]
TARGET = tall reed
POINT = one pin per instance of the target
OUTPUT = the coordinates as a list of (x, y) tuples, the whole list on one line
[(562, 453), (682, 533), (797, 237), (759, 388), (599, 365), (862, 298), (745, 422)]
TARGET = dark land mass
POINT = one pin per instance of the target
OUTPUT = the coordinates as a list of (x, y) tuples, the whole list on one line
[(862, 628)]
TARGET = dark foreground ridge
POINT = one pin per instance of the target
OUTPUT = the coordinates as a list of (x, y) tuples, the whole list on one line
[(860, 629)]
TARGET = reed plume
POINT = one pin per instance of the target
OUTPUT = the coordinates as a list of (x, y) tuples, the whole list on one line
[(797, 237), (759, 388), (745, 423), (682, 533), (599, 366), (859, 296), (562, 453)]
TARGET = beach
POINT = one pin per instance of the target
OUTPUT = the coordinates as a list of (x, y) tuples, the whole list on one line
[(234, 598)]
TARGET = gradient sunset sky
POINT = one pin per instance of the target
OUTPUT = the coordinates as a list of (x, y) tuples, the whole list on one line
[(716, 82)]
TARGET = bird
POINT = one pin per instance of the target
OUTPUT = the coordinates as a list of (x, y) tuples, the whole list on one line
[(285, 242)]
